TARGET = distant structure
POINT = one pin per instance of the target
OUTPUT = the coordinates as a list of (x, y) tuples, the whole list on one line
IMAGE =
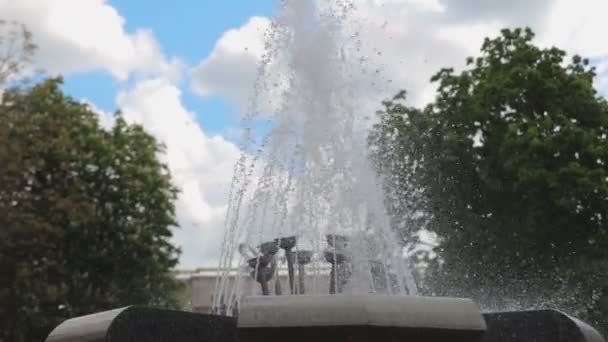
[(200, 284)]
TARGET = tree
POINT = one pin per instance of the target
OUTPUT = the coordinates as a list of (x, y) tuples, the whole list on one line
[(85, 214), (510, 160), (16, 49)]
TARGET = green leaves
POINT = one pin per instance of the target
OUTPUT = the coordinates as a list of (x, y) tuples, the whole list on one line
[(85, 214), (513, 151)]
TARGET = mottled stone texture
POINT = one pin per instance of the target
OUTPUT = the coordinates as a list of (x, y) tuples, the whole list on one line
[(522, 326), (146, 325), (537, 326), (361, 333), (133, 324), (359, 318)]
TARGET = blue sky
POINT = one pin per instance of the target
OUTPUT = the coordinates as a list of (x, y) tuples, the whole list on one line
[(184, 69), (188, 29)]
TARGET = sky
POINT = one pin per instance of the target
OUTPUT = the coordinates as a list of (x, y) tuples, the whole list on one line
[(185, 70)]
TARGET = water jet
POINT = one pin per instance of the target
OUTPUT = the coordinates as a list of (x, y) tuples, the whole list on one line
[(306, 191)]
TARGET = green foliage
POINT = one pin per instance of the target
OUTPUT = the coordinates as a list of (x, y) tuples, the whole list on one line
[(85, 214), (510, 166)]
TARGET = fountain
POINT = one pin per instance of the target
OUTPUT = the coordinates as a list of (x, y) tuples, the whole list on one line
[(336, 255), (308, 182), (302, 258), (306, 196)]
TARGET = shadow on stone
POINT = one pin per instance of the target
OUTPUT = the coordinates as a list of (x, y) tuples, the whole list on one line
[(537, 326), (132, 324), (335, 318), (359, 318)]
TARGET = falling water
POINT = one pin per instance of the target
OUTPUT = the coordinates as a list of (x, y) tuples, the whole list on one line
[(309, 177)]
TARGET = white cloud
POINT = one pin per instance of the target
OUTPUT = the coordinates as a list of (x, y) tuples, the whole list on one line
[(410, 40), (106, 119), (514, 12), (201, 166), (580, 27), (81, 35), (405, 40), (416, 41), (230, 70)]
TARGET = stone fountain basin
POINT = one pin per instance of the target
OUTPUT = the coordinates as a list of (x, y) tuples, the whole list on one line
[(143, 324), (361, 309), (361, 317), (354, 318)]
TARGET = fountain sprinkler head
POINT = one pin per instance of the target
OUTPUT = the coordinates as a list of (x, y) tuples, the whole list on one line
[(332, 256), (261, 261), (269, 248), (263, 275), (263, 271), (246, 251), (287, 242), (303, 257), (337, 241)]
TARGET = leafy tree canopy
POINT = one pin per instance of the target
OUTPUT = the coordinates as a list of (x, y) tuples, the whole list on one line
[(85, 214), (508, 166)]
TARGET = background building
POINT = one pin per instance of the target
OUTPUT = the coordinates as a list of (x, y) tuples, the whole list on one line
[(200, 285)]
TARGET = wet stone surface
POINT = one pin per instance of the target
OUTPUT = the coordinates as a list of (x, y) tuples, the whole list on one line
[(537, 326), (146, 325), (323, 319)]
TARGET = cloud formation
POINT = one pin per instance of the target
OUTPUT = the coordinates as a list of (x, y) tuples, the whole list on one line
[(410, 40), (201, 166), (403, 43), (231, 68), (82, 35), (96, 39)]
